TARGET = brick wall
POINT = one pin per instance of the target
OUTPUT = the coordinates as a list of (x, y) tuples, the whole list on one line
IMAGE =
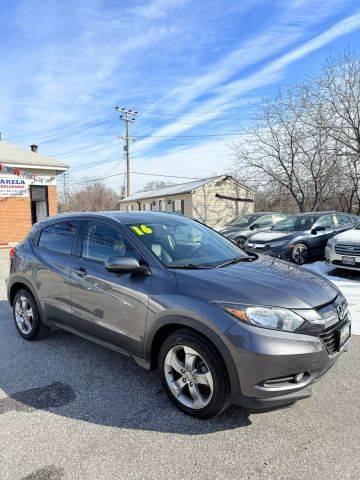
[(15, 219), (52, 199), (15, 216)]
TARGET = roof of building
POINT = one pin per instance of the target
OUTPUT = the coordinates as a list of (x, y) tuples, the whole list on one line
[(15, 155), (177, 189)]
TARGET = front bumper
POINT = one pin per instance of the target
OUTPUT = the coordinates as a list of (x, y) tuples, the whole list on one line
[(336, 260), (268, 361)]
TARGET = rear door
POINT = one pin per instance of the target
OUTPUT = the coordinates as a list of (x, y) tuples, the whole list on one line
[(55, 247), (111, 306)]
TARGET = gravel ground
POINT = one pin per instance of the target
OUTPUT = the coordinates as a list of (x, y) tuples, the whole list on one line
[(70, 409)]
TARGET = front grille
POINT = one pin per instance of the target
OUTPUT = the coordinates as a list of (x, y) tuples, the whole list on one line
[(347, 249), (330, 336)]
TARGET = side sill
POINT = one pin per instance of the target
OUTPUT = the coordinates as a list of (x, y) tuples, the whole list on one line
[(140, 361)]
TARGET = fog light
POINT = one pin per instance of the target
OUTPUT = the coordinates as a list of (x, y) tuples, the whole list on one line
[(301, 377)]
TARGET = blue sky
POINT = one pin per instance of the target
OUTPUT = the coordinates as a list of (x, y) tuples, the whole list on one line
[(193, 70)]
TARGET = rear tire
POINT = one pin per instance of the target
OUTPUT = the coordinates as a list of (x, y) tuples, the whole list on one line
[(193, 374), (27, 316)]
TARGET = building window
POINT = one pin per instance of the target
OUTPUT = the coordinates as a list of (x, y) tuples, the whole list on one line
[(178, 206)]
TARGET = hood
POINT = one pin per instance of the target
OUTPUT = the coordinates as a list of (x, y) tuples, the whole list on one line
[(350, 236), (266, 237), (231, 229), (266, 281)]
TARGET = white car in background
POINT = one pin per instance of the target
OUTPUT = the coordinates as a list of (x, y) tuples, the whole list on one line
[(343, 250)]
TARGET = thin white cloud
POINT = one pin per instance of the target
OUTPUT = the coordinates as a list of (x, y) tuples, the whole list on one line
[(272, 72), (157, 8)]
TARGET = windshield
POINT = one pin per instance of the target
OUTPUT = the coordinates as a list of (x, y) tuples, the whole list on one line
[(243, 221), (180, 242), (296, 223)]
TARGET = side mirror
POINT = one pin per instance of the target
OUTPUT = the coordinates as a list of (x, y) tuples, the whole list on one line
[(253, 227), (317, 229), (124, 265)]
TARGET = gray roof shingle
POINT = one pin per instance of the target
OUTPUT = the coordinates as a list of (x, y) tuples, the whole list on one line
[(12, 154), (170, 190)]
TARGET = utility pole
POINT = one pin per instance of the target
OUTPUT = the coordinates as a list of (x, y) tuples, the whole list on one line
[(65, 186), (128, 116)]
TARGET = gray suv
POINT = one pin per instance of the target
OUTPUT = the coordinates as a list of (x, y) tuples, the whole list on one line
[(221, 326)]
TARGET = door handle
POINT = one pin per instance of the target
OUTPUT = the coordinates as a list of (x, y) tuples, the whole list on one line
[(80, 271)]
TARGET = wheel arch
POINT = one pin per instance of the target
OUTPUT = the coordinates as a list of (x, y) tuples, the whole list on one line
[(19, 283), (168, 325)]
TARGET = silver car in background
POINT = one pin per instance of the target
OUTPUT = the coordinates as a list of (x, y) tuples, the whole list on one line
[(343, 250)]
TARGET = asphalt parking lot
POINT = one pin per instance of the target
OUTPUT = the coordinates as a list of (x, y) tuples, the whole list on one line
[(70, 409)]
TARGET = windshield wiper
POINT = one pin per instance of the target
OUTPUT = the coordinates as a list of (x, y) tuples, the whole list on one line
[(190, 266), (236, 260)]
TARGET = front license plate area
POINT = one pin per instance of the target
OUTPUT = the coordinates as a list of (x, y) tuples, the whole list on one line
[(343, 335), (348, 260)]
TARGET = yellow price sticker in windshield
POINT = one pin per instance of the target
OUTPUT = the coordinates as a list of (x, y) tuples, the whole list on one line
[(141, 229)]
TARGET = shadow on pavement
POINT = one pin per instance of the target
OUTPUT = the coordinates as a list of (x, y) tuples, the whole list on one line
[(73, 377)]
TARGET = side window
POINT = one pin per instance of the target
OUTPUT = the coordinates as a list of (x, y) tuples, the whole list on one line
[(265, 221), (278, 217), (102, 242), (343, 219), (59, 237), (326, 221)]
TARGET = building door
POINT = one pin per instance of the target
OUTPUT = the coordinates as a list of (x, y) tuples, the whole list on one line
[(39, 203)]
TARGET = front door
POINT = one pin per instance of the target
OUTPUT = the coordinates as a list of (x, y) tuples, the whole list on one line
[(319, 240), (108, 305)]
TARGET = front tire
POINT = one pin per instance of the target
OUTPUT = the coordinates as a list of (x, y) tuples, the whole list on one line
[(193, 374), (27, 316), (300, 254), (240, 241)]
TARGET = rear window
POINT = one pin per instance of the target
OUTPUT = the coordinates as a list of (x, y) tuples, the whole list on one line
[(59, 237)]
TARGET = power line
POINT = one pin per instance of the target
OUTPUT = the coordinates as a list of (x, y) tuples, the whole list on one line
[(136, 173)]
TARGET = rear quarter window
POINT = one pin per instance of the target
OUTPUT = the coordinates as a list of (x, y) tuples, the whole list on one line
[(59, 237)]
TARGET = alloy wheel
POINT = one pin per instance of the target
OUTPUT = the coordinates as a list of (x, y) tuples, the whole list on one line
[(24, 315), (188, 377), (300, 254), (241, 241)]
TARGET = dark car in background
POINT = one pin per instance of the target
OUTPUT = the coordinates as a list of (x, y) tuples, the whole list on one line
[(221, 326), (241, 228), (301, 237)]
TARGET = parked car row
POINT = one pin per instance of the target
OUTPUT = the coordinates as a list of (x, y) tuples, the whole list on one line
[(300, 237)]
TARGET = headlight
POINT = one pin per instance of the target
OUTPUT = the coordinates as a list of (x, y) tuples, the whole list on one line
[(275, 318), (331, 242), (278, 244)]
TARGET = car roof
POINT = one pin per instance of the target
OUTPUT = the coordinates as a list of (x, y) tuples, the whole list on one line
[(123, 217), (259, 214), (314, 214)]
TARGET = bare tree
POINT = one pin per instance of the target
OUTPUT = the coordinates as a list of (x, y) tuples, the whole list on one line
[(338, 89), (282, 148), (155, 185), (95, 197)]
